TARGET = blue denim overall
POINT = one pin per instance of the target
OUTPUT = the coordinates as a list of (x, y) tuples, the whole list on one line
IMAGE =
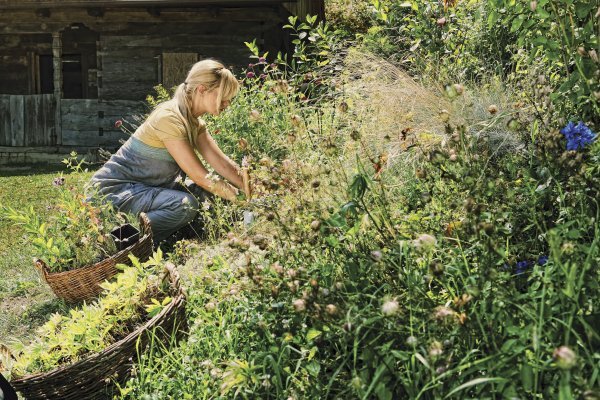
[(142, 178)]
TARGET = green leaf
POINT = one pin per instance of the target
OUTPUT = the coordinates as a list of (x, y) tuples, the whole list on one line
[(312, 334), (475, 382)]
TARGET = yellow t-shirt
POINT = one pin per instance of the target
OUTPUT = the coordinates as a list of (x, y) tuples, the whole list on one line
[(164, 124)]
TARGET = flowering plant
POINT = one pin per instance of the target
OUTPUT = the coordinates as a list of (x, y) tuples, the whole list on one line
[(577, 135)]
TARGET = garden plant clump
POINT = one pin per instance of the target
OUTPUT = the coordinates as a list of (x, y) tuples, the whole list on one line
[(426, 215), (73, 232), (137, 294), (414, 239)]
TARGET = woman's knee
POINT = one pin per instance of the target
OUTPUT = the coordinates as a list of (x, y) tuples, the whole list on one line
[(190, 207)]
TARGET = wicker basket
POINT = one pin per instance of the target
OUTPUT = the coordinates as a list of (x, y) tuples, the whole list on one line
[(94, 377), (84, 283)]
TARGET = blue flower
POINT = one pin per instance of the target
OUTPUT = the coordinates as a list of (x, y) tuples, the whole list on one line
[(577, 135), (522, 267), (542, 260)]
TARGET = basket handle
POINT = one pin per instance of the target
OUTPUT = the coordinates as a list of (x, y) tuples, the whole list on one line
[(145, 224), (172, 272), (41, 266)]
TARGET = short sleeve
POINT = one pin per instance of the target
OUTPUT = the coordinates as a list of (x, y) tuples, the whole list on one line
[(168, 126)]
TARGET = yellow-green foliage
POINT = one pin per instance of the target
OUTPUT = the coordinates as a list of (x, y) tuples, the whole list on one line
[(92, 327)]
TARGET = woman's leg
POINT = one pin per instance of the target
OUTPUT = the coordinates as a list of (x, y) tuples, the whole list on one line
[(169, 211)]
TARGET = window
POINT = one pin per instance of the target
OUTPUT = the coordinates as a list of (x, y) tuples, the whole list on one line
[(175, 67)]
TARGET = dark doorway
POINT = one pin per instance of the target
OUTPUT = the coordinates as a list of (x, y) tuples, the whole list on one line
[(46, 74), (72, 76), (79, 62)]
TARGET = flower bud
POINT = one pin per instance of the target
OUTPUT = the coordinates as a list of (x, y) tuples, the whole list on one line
[(254, 115), (411, 341), (565, 357), (444, 116)]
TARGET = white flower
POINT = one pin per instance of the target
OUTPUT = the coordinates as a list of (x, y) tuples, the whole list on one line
[(390, 307)]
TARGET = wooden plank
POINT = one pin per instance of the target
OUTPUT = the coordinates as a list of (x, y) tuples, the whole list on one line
[(12, 4), (5, 125), (17, 120), (92, 138)]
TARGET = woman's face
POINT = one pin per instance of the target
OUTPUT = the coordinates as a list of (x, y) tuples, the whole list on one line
[(205, 102)]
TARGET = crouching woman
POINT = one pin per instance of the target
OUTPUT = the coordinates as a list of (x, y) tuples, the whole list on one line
[(144, 175)]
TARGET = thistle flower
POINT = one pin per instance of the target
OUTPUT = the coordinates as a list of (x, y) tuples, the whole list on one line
[(299, 305), (390, 308), (436, 349), (425, 242), (565, 357), (442, 313), (577, 135)]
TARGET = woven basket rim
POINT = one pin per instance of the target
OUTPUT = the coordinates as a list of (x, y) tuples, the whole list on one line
[(177, 301), (147, 233)]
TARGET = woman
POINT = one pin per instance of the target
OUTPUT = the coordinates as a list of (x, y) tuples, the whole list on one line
[(145, 175)]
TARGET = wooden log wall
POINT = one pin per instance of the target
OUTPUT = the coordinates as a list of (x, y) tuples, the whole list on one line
[(91, 122), (131, 64), (27, 120), (16, 56), (130, 45)]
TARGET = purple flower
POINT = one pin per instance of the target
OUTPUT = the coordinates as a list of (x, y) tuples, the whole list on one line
[(250, 65), (577, 135), (542, 260), (263, 76), (250, 74), (262, 60)]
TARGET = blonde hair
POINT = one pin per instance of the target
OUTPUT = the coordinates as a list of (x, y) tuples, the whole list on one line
[(212, 75)]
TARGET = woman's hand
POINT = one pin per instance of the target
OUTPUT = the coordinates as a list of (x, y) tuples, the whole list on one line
[(224, 190)]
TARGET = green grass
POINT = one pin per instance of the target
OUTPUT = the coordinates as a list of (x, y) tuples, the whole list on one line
[(25, 300)]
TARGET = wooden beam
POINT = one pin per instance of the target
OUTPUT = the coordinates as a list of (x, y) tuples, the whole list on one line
[(23, 4), (57, 60)]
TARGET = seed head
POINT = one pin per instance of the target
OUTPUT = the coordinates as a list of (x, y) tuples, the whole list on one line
[(331, 309), (390, 308), (493, 109), (299, 305)]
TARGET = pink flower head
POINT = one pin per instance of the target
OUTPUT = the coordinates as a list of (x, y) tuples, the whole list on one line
[(250, 74), (250, 65), (262, 60), (118, 123), (263, 76)]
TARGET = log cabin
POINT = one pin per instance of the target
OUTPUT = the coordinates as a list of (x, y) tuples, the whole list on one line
[(69, 69)]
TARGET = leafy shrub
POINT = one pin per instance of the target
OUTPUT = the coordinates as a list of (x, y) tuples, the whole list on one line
[(135, 295)]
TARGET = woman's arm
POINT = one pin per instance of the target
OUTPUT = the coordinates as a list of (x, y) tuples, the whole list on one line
[(222, 164), (185, 157)]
